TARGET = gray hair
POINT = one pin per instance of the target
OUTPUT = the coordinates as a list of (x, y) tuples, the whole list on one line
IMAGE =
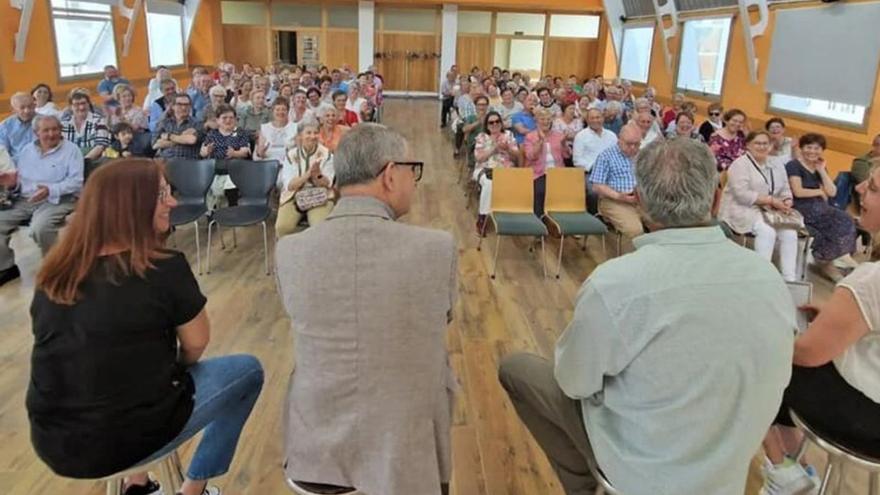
[(676, 181), (614, 106), (39, 119), (364, 151)]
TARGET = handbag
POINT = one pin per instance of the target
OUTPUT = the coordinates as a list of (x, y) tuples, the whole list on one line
[(311, 197), (784, 220)]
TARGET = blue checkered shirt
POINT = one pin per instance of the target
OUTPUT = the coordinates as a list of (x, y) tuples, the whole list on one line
[(615, 170)]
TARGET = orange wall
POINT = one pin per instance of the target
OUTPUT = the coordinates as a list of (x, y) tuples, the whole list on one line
[(40, 63), (739, 92)]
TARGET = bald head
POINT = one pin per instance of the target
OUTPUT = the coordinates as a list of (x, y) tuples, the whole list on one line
[(629, 139), (23, 106)]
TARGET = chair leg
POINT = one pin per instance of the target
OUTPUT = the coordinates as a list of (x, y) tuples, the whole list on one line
[(826, 479), (234, 240), (559, 258), (220, 235), (198, 247), (543, 258), (265, 246), (208, 261), (584, 247), (495, 258)]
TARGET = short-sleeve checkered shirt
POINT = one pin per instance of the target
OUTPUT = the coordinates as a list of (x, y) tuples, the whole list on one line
[(615, 170)]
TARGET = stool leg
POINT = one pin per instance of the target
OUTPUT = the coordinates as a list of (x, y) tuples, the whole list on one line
[(826, 479), (874, 483)]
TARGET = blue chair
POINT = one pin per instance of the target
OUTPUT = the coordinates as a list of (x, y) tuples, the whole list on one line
[(191, 180)]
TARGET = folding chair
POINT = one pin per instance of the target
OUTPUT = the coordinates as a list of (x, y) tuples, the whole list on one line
[(565, 206), (513, 209)]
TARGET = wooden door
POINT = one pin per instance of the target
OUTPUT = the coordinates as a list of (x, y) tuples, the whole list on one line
[(408, 62), (471, 50), (564, 57)]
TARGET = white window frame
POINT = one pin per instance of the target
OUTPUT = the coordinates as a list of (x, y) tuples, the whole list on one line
[(650, 51), (702, 93), (82, 14), (776, 106), (171, 9)]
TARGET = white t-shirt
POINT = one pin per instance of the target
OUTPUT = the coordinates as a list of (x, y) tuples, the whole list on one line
[(587, 146), (860, 363), (279, 139)]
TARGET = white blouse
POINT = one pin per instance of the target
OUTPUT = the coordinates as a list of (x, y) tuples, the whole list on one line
[(279, 139)]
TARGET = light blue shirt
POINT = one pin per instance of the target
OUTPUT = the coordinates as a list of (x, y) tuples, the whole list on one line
[(15, 135), (60, 169), (199, 100), (679, 354)]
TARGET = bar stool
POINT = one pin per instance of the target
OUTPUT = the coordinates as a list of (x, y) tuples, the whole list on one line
[(839, 457), (167, 467), (300, 490)]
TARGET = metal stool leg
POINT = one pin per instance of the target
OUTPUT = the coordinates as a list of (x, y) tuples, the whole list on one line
[(198, 247), (829, 470), (265, 246), (495, 258), (543, 257), (559, 258), (208, 261)]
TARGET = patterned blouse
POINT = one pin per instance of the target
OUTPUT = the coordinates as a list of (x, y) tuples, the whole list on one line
[(93, 132), (135, 117), (221, 142), (497, 157), (727, 150)]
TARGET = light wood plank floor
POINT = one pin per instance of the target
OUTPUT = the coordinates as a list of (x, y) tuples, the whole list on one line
[(493, 453)]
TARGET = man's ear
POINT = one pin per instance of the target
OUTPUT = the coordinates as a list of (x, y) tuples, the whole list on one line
[(716, 202)]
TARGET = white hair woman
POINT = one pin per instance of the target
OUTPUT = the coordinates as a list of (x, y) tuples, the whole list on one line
[(310, 165)]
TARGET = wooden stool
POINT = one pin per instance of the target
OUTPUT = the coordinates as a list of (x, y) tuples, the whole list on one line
[(167, 467)]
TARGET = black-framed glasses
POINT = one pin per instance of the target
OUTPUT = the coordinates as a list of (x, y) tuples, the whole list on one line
[(493, 122), (417, 168), (715, 114)]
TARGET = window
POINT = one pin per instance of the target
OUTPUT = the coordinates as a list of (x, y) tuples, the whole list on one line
[(574, 26), (295, 15), (165, 33), (822, 109), (83, 37), (520, 55), (342, 16), (245, 13), (417, 20), (635, 59), (703, 54), (519, 24), (472, 22)]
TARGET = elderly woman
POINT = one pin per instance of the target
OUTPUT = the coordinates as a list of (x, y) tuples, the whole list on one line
[(355, 98), (346, 116), (225, 142), (85, 128), (569, 125), (331, 131), (756, 184), (544, 149), (277, 135), (309, 165), (313, 95), (834, 232), (117, 375), (256, 114), (729, 143), (299, 110), (781, 146), (127, 111), (834, 385), (714, 122), (508, 107), (367, 113), (42, 94), (684, 127), (672, 112), (495, 147)]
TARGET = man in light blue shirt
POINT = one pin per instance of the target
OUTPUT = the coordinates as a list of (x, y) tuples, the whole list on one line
[(676, 357), (162, 106), (199, 93), (111, 79), (45, 186), (16, 131)]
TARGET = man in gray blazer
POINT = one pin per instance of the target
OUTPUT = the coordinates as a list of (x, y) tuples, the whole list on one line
[(369, 406)]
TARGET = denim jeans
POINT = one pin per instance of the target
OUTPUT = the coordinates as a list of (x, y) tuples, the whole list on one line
[(226, 389)]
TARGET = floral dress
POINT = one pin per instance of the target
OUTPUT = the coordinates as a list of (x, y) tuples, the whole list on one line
[(727, 150)]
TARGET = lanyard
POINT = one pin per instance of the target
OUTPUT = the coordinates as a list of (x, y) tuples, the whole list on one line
[(771, 182)]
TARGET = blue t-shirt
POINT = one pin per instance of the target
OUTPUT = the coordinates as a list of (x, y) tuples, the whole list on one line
[(107, 85), (525, 119)]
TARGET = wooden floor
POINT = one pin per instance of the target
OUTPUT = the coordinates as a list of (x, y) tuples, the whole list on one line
[(493, 453)]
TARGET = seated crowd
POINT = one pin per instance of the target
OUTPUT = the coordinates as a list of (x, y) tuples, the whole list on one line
[(672, 371)]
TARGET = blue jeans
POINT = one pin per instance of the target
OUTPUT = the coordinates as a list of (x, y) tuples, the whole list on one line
[(226, 389)]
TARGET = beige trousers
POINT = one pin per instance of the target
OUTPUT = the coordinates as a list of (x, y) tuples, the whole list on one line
[(289, 217), (625, 218)]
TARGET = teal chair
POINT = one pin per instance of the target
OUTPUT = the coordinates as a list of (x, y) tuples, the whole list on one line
[(565, 205), (513, 209)]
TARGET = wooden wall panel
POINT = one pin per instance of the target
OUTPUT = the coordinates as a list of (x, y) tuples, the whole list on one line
[(473, 50), (571, 56), (416, 75), (340, 48), (246, 44)]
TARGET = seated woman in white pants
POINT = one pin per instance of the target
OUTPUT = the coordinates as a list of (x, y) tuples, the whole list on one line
[(755, 184), (493, 148)]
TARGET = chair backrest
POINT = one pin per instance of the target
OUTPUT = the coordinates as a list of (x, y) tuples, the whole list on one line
[(512, 190), (191, 179), (254, 180), (566, 190)]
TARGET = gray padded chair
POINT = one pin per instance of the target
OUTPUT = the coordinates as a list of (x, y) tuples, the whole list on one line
[(191, 180), (254, 181)]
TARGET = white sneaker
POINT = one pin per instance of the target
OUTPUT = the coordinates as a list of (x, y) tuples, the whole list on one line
[(211, 490), (787, 479)]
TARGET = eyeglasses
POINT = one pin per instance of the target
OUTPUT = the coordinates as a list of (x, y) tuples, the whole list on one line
[(164, 192), (493, 122), (416, 167), (715, 114)]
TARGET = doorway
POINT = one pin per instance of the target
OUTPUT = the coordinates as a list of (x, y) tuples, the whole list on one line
[(285, 41)]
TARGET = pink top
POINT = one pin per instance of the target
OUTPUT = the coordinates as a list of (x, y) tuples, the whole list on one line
[(537, 156)]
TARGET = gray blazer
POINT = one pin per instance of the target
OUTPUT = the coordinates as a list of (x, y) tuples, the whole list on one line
[(370, 400)]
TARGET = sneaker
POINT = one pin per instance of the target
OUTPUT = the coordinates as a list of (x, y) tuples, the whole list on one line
[(209, 490), (789, 478), (151, 488), (9, 274)]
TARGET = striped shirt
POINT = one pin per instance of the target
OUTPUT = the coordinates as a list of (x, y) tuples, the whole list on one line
[(94, 131)]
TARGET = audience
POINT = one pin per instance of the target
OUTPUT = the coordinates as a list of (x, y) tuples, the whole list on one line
[(127, 111), (544, 148), (307, 180), (613, 113), (613, 180), (84, 127), (346, 116), (111, 79), (276, 135), (154, 87), (177, 136), (713, 123), (756, 197), (243, 98), (256, 114), (355, 98), (833, 230), (16, 131), (120, 146), (447, 93), (42, 94), (833, 384), (44, 187), (729, 143), (373, 364), (546, 101), (523, 122), (208, 115), (110, 390), (198, 92), (300, 112), (331, 131), (508, 107), (568, 124), (495, 147), (162, 106), (861, 166), (683, 127), (592, 141), (782, 147), (664, 402)]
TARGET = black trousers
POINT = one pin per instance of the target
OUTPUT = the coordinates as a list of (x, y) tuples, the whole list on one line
[(444, 111), (833, 408), (540, 186)]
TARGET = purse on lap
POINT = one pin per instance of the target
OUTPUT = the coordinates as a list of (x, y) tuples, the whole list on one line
[(310, 197)]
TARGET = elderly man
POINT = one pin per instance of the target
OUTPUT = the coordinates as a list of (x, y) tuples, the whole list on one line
[(656, 376), (613, 112), (592, 140), (198, 94), (447, 92), (16, 131), (111, 79), (49, 176), (160, 107), (208, 116), (647, 123), (614, 180), (370, 399), (177, 135)]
